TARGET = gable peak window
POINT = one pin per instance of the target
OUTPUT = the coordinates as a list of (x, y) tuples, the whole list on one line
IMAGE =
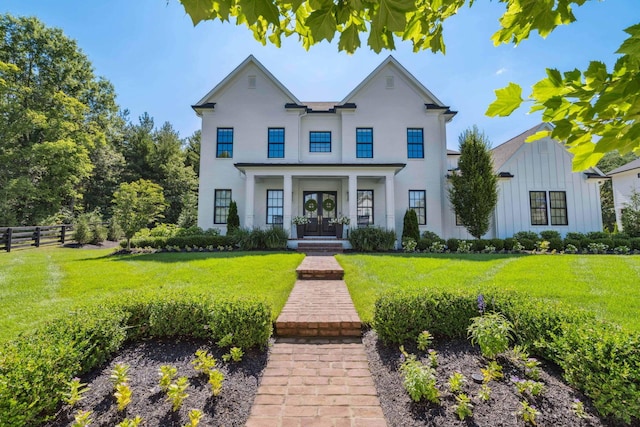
[(224, 143), (320, 141), (364, 143), (276, 143), (390, 82), (415, 143), (252, 82)]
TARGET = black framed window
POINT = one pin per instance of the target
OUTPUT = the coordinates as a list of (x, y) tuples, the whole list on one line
[(276, 143), (365, 208), (558, 207), (538, 203), (364, 143), (415, 143), (319, 142), (224, 147), (275, 207), (418, 202), (221, 205)]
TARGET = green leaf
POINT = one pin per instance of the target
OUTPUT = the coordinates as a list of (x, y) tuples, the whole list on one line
[(392, 14), (631, 46), (546, 89), (584, 156), (538, 135), (507, 100), (253, 9), (322, 24), (199, 10), (349, 39)]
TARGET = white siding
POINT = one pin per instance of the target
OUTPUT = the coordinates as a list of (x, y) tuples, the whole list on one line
[(623, 185)]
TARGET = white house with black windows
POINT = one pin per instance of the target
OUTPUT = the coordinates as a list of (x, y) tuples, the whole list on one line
[(371, 156), (624, 180)]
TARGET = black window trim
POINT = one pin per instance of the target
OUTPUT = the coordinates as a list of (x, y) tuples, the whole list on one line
[(424, 192), (269, 143), (216, 207), (321, 132), (364, 143), (267, 206), (218, 143), (373, 205), (421, 144)]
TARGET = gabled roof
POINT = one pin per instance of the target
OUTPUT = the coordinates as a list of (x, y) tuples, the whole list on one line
[(635, 164), (250, 60), (426, 93), (505, 151)]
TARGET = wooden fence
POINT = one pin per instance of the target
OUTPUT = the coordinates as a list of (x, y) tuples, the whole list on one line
[(24, 237)]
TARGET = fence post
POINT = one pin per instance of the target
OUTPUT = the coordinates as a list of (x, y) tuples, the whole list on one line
[(62, 233), (37, 237), (9, 233)]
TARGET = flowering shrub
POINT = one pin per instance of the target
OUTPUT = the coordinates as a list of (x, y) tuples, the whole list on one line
[(598, 248), (340, 219), (437, 247), (300, 220), (464, 247), (409, 245)]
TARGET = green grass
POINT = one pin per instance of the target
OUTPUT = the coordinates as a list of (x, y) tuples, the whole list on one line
[(608, 285), (39, 284)]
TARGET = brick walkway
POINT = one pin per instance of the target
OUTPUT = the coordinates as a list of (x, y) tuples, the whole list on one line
[(317, 381)]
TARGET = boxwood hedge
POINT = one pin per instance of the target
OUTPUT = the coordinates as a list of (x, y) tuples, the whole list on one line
[(596, 357), (35, 368)]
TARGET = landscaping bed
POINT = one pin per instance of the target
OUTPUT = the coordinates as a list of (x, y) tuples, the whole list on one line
[(457, 355), (230, 408)]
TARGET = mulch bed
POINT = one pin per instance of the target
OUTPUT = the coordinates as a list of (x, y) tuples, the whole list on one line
[(459, 356), (230, 408), (233, 405)]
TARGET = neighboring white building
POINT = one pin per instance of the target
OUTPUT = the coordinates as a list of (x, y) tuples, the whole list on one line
[(624, 180), (380, 150)]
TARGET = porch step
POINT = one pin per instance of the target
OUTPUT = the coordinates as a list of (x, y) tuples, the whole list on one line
[(320, 247), (320, 267), (319, 308)]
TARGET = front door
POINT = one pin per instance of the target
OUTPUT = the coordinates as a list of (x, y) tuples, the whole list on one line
[(320, 207)]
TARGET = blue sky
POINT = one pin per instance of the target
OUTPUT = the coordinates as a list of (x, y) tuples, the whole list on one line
[(159, 63)]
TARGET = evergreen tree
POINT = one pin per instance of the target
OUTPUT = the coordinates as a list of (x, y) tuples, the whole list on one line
[(233, 220), (410, 226), (631, 215), (474, 192)]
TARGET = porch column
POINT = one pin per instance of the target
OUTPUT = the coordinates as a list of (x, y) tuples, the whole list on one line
[(390, 201), (353, 201), (248, 201), (288, 195)]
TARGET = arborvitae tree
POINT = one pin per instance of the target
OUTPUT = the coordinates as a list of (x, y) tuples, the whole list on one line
[(474, 190), (631, 215), (410, 226), (233, 220)]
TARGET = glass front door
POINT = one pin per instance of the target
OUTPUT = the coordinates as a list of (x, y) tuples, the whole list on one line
[(320, 207)]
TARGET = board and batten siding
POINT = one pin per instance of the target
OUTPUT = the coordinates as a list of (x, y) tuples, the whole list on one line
[(623, 185), (545, 166)]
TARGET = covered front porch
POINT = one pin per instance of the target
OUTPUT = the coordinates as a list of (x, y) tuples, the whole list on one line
[(274, 194)]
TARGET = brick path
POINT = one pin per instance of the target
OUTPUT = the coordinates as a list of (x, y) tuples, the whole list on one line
[(317, 381)]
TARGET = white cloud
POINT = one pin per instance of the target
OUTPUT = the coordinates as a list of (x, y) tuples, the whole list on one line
[(500, 71)]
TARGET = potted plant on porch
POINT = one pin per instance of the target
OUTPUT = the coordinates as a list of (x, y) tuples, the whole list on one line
[(300, 222), (339, 222)]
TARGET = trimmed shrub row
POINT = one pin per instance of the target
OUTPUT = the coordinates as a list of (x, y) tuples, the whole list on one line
[(596, 357), (35, 368), (372, 239), (182, 242)]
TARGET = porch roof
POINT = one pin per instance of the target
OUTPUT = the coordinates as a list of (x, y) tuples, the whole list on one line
[(343, 168)]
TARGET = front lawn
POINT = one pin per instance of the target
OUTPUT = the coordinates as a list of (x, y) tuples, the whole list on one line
[(40, 284), (608, 285)]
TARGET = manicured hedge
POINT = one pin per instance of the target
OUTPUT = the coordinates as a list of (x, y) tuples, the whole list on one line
[(35, 368), (598, 358), (201, 241)]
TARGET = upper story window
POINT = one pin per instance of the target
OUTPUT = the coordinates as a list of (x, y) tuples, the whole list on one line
[(319, 142), (364, 143), (418, 202), (224, 147), (415, 143), (276, 143)]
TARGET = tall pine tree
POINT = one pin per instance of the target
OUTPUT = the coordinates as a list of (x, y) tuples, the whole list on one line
[(474, 191)]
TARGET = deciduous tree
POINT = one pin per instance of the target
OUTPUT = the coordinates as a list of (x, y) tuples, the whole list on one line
[(473, 192), (136, 205)]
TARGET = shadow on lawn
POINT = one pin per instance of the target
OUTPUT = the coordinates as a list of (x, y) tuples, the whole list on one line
[(450, 256), (171, 257)]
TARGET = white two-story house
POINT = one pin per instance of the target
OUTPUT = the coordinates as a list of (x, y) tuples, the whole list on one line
[(371, 156)]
